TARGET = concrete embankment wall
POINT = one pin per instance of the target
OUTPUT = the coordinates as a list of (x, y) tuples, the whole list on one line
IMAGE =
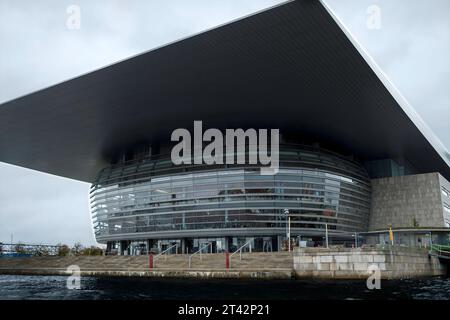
[(347, 263), (339, 263)]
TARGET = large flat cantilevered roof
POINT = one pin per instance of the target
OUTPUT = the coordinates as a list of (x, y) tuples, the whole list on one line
[(292, 67)]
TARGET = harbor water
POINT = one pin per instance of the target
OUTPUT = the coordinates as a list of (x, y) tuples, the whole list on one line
[(15, 287)]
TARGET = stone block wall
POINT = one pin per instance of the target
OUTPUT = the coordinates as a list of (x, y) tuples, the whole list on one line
[(407, 202), (348, 263)]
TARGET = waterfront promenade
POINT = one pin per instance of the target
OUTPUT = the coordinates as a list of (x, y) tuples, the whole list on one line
[(332, 263)]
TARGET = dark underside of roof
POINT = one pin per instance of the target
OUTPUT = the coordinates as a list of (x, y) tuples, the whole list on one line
[(290, 67)]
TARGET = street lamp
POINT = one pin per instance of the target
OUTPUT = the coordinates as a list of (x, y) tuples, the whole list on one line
[(286, 212)]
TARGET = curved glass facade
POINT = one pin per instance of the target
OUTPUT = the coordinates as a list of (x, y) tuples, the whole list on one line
[(150, 198)]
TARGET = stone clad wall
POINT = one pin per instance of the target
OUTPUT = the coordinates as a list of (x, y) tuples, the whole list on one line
[(399, 201), (347, 263)]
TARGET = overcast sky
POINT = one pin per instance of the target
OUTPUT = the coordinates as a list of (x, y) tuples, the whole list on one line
[(37, 49)]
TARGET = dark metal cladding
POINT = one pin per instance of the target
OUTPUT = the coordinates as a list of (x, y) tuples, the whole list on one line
[(290, 67)]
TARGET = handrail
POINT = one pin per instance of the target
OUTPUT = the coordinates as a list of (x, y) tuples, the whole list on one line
[(440, 246), (199, 251), (163, 252), (441, 250), (248, 243), (242, 247)]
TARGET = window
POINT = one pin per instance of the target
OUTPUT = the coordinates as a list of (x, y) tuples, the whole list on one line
[(446, 207)]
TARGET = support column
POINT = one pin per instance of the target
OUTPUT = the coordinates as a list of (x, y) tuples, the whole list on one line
[(123, 246), (183, 245), (147, 246), (279, 242), (109, 246), (227, 243)]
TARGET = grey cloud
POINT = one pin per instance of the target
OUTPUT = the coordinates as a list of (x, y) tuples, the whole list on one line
[(412, 48)]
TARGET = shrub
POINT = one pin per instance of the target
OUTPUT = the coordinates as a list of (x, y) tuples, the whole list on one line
[(92, 251), (63, 250)]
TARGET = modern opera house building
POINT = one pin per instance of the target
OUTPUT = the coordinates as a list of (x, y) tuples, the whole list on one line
[(354, 157)]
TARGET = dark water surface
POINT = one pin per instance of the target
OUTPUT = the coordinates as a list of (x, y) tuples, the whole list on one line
[(54, 287)]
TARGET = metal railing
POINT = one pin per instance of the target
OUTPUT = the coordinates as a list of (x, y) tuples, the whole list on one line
[(248, 243), (11, 249), (199, 251), (165, 251), (442, 251), (153, 260)]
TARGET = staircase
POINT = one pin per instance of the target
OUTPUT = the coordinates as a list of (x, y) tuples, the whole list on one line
[(256, 261)]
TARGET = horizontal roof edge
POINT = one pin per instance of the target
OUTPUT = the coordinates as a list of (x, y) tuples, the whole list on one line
[(395, 93)]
